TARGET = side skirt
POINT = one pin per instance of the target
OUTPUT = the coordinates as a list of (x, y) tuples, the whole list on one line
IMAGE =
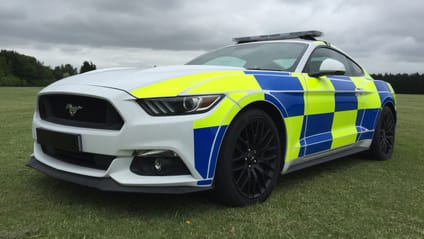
[(321, 157)]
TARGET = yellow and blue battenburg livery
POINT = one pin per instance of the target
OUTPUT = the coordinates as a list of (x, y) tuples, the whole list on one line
[(232, 119)]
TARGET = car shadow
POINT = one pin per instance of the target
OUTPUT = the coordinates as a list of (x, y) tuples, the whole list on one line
[(60, 192)]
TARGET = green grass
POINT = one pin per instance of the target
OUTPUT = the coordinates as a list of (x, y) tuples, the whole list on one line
[(346, 198)]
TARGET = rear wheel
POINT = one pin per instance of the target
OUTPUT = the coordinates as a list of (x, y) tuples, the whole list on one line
[(384, 135), (249, 161)]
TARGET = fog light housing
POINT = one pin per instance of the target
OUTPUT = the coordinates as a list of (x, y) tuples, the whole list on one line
[(158, 163)]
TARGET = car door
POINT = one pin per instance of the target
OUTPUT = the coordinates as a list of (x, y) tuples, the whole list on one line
[(369, 103), (331, 113)]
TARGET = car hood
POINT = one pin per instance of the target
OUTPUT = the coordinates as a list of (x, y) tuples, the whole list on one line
[(130, 79)]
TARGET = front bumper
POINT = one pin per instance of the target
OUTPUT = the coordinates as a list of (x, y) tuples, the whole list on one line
[(140, 132), (106, 184)]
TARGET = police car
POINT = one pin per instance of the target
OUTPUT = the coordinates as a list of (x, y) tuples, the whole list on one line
[(231, 120)]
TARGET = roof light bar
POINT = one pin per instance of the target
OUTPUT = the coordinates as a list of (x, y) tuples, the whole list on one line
[(306, 35)]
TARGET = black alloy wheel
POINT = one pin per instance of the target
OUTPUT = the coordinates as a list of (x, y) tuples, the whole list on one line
[(384, 135), (250, 159)]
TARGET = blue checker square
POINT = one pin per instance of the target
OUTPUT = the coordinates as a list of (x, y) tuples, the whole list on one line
[(279, 82), (346, 101), (315, 148), (293, 102), (319, 123), (359, 117), (370, 118), (381, 85), (343, 83)]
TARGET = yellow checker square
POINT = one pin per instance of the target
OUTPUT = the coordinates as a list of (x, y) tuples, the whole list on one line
[(370, 98), (344, 128), (294, 130), (320, 96)]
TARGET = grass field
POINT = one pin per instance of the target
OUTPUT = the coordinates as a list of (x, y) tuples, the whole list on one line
[(347, 198)]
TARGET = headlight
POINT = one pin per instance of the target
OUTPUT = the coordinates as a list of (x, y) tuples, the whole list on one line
[(180, 105)]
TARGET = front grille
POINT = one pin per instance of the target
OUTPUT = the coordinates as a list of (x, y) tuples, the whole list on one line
[(90, 160), (80, 111)]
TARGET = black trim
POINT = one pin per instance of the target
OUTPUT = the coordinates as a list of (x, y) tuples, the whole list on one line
[(59, 140), (338, 51), (107, 184), (325, 158), (96, 113), (170, 166), (175, 103), (89, 160)]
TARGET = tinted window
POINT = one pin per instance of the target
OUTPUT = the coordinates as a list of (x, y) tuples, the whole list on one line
[(279, 56), (355, 69), (321, 54)]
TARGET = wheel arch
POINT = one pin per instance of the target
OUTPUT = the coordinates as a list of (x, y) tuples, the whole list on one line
[(277, 117), (391, 106)]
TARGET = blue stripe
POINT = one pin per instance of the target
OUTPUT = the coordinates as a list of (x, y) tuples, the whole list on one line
[(215, 152), (381, 85), (271, 98), (359, 128), (318, 138), (359, 116), (302, 148), (203, 140), (366, 135), (386, 97), (318, 143), (370, 118), (205, 182), (302, 138)]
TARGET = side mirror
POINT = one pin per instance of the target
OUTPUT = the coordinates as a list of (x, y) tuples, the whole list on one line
[(330, 67)]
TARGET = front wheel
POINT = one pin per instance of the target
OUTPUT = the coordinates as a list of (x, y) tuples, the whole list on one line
[(384, 135), (249, 160)]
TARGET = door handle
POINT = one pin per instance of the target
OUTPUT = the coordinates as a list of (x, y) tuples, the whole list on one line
[(359, 91)]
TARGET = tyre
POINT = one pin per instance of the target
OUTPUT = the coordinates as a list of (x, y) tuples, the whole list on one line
[(384, 135), (249, 160)]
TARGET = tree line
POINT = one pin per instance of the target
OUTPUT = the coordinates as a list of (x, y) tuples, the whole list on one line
[(21, 70), (403, 83)]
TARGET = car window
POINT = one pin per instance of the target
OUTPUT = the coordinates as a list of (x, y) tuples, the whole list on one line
[(321, 54), (226, 61), (279, 56), (355, 69)]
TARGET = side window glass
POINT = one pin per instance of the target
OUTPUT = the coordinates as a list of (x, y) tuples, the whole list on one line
[(355, 69), (321, 54)]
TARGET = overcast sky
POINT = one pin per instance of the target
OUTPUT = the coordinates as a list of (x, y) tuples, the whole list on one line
[(382, 35)]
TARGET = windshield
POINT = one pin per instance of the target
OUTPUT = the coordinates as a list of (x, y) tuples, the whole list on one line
[(277, 56)]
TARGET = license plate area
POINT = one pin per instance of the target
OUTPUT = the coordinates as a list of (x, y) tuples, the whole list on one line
[(64, 141)]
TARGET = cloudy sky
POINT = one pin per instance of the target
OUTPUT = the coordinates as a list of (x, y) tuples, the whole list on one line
[(384, 36)]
